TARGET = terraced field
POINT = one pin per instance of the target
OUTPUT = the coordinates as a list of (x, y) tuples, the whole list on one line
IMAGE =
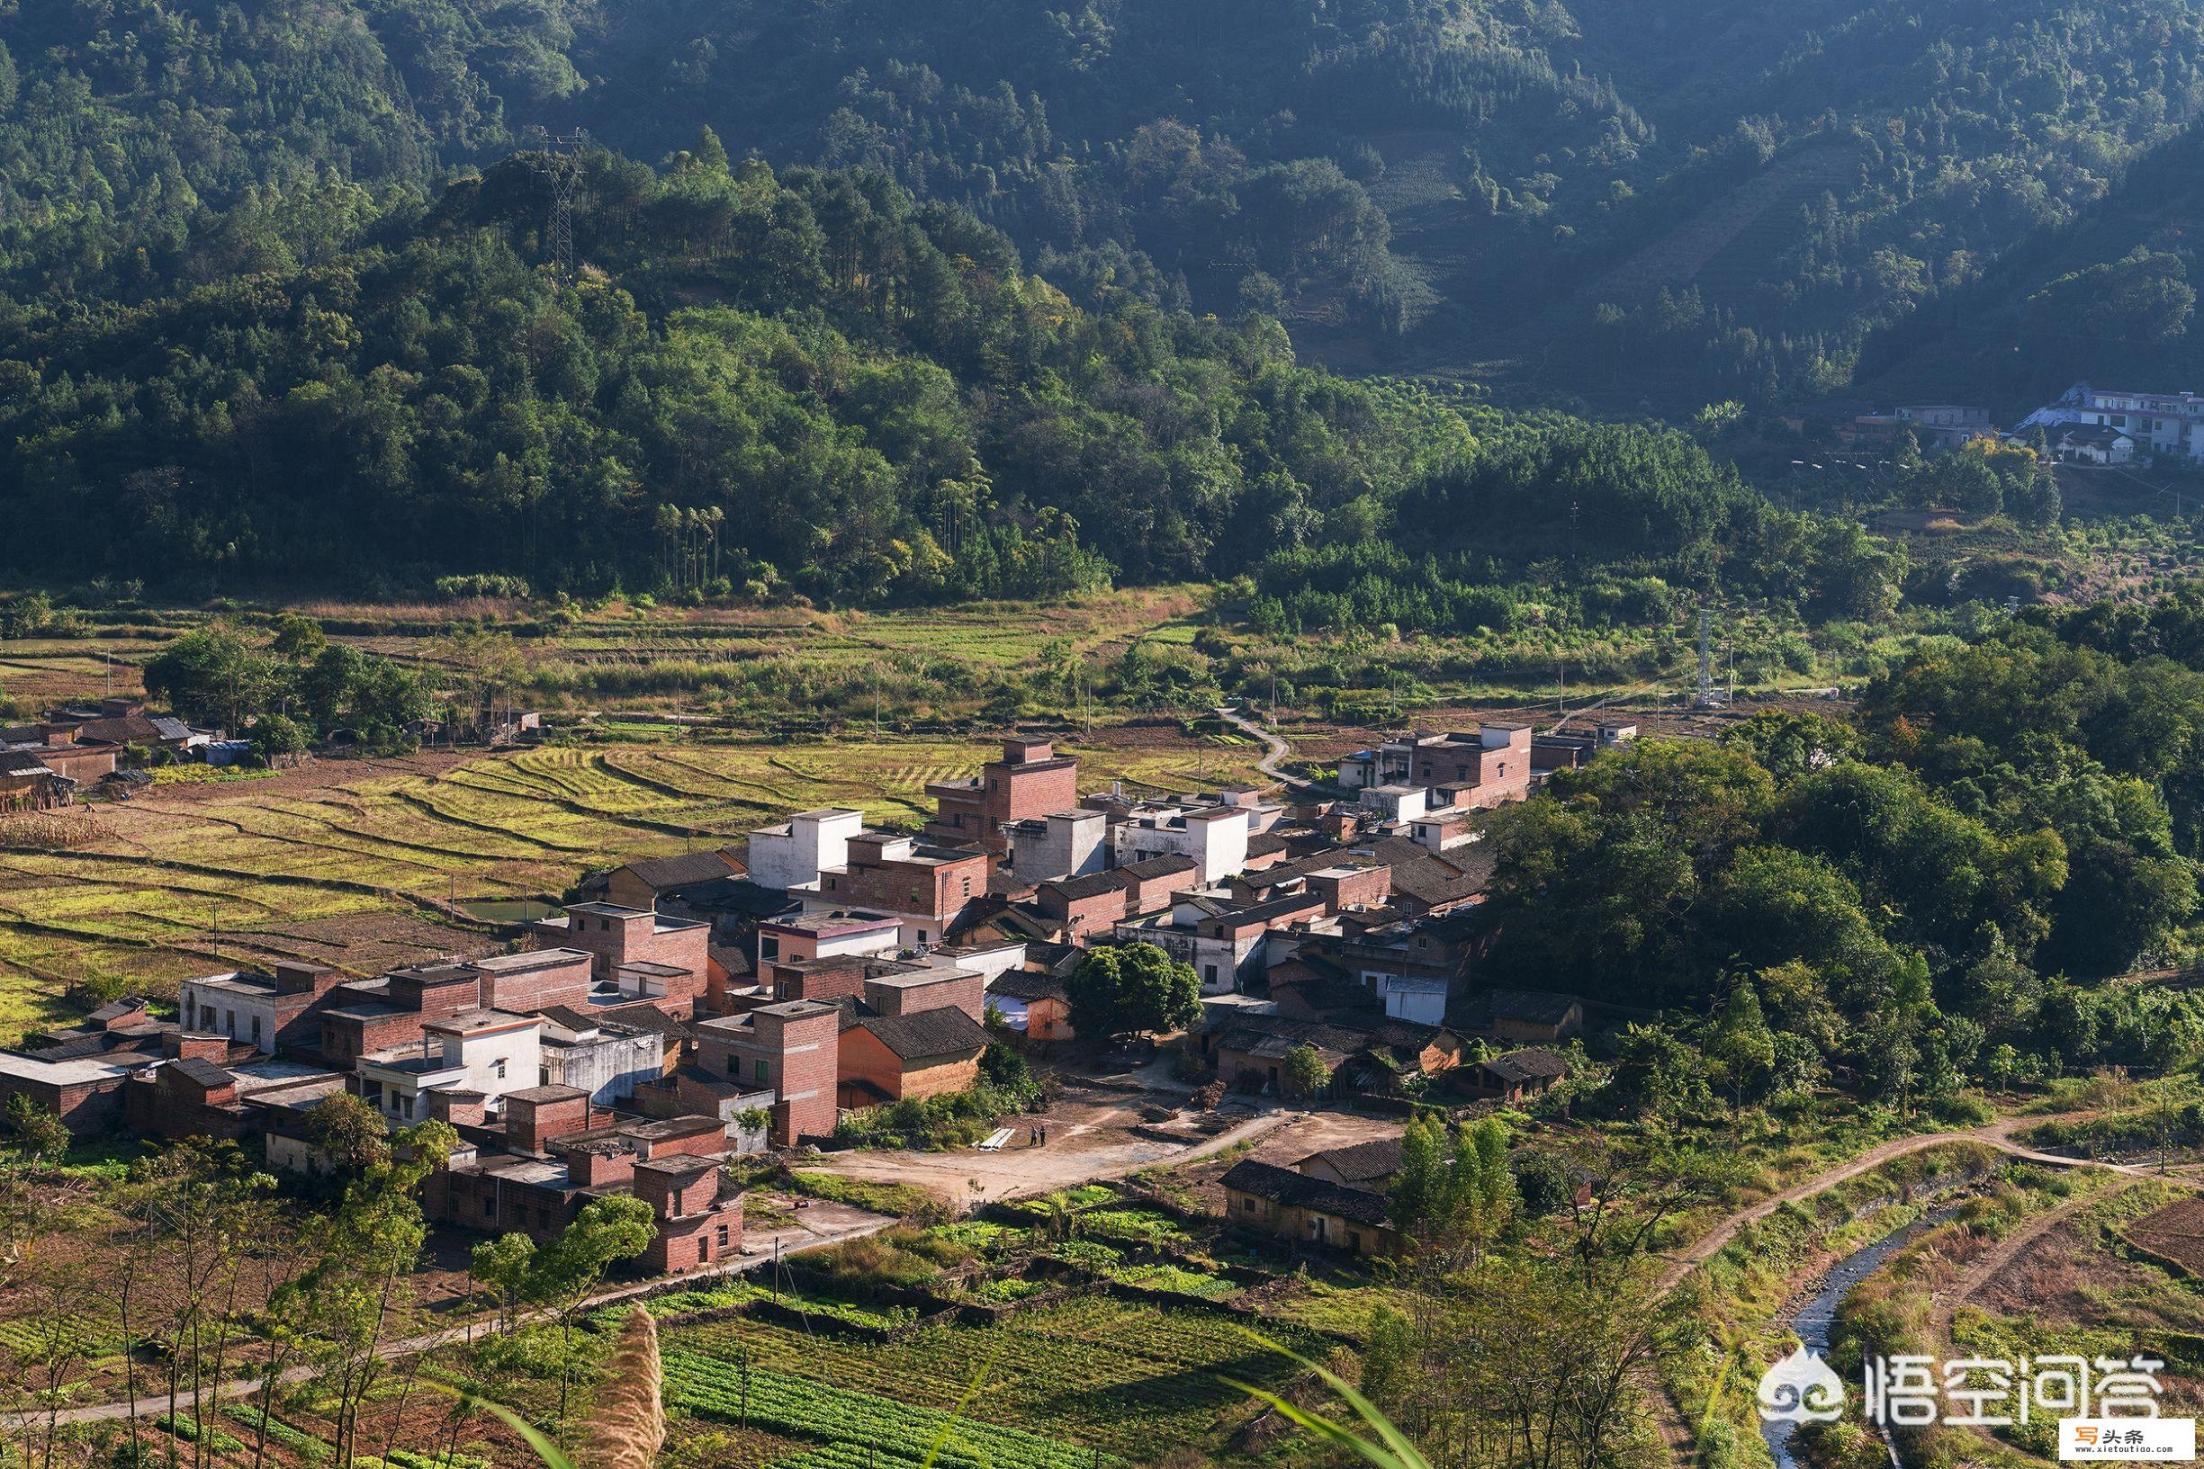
[(931, 663), (359, 863)]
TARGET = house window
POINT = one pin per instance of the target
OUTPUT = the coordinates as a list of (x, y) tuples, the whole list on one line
[(206, 1017), (922, 935), (1248, 1205), (761, 1071), (769, 948), (1209, 972), (497, 1068), (957, 819), (256, 1030), (489, 1206), (721, 1235), (833, 882), (229, 1022), (1354, 1240), (734, 1066)]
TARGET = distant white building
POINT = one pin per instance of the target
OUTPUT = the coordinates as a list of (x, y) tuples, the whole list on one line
[(486, 1052), (2092, 443), (2162, 425), (794, 853), (1214, 835)]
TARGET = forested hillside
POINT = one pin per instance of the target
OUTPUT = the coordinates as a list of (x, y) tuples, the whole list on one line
[(1609, 199), (755, 382), (763, 384)]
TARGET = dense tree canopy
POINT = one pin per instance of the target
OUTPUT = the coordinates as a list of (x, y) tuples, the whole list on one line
[(1737, 196), (2013, 821)]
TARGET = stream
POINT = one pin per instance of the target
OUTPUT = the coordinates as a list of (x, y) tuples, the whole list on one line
[(1817, 1318)]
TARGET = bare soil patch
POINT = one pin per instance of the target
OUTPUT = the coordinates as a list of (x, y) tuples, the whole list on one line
[(2175, 1232)]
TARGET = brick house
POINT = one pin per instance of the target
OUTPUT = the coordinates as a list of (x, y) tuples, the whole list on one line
[(1519, 1075), (925, 888), (913, 989), (1531, 1017), (1493, 765), (1030, 782), (552, 1163), (196, 1096), (1153, 883), (694, 1227), (1351, 885), (886, 1058), (791, 1048), (1371, 1165), (1266, 1199), (642, 883), (1086, 906), (535, 980), (84, 1091), (645, 955), (273, 1013), (805, 938), (1034, 1005), (1224, 942)]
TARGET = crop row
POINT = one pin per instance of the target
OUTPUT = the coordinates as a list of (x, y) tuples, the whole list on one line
[(282, 1434), (783, 1403)]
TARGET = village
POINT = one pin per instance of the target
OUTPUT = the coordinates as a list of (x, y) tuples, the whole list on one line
[(684, 1012), (2086, 425)]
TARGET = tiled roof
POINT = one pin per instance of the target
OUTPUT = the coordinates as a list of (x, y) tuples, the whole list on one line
[(1284, 1186), (1155, 867), (1092, 885), (1527, 1065), (202, 1071), (1534, 1006), (673, 872), (1019, 985), (1359, 1162), (928, 1034)]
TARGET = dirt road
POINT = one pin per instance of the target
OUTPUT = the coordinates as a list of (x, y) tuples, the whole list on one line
[(1092, 1148)]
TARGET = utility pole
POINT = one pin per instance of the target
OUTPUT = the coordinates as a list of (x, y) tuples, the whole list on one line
[(1707, 697)]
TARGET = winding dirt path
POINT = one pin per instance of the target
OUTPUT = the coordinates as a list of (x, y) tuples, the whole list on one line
[(1275, 748), (1669, 1418)]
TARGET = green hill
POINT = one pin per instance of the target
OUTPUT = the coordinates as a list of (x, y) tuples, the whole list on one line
[(1731, 196)]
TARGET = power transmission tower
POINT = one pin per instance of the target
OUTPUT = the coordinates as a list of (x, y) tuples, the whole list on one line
[(1709, 697), (561, 163)]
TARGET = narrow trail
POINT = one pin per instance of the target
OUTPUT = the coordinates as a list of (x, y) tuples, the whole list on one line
[(1998, 1134), (1275, 748), (2005, 1252)]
